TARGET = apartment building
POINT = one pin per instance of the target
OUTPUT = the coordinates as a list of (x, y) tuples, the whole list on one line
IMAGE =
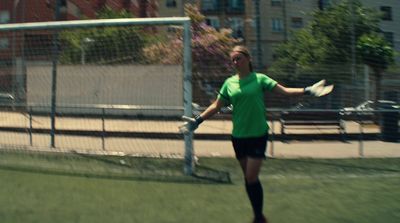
[(219, 14), (12, 11), (17, 11), (13, 45), (278, 19), (390, 23), (172, 8)]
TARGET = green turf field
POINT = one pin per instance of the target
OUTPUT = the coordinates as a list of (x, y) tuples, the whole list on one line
[(53, 188)]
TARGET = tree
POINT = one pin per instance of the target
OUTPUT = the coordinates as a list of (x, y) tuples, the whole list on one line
[(377, 54), (339, 22), (210, 48), (302, 51), (104, 45), (327, 45), (327, 39)]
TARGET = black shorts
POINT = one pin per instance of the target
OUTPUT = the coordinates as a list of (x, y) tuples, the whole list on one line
[(253, 147)]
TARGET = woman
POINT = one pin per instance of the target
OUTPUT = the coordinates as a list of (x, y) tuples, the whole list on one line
[(245, 92)]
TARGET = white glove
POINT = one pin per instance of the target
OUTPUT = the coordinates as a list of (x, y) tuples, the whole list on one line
[(318, 89), (190, 124)]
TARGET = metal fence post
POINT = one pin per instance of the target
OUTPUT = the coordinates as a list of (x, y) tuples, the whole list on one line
[(103, 133), (272, 137), (360, 138), (30, 126)]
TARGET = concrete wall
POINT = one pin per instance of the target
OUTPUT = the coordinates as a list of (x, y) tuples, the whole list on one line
[(83, 86)]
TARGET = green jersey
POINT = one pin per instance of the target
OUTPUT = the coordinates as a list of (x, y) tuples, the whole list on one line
[(247, 98)]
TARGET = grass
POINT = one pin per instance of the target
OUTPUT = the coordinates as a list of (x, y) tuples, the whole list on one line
[(47, 188)]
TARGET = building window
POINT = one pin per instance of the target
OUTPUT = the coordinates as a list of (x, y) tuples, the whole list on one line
[(209, 5), (5, 63), (276, 2), (213, 21), (4, 17), (236, 5), (4, 43), (389, 36), (297, 22), (171, 3), (386, 13), (277, 25), (74, 10), (323, 4), (236, 25)]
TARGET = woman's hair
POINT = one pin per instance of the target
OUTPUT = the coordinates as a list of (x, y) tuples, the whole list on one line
[(243, 50)]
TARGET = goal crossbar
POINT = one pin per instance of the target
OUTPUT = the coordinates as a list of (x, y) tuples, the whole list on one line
[(95, 23)]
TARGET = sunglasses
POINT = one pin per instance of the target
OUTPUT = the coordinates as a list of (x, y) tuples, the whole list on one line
[(239, 57), (236, 59)]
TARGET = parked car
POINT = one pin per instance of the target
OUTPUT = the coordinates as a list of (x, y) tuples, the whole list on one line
[(366, 107), (367, 110), (6, 98)]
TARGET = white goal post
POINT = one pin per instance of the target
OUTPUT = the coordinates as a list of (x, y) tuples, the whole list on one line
[(13, 31)]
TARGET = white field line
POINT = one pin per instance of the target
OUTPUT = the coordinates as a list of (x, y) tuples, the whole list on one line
[(331, 176)]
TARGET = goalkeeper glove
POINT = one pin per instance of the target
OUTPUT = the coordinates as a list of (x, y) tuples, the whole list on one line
[(318, 89), (190, 124)]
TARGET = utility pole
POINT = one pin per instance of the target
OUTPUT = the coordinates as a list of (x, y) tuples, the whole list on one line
[(13, 53), (18, 82), (259, 55), (353, 43), (54, 75), (285, 28)]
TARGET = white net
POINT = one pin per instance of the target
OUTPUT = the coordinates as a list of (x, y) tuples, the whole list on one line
[(111, 92)]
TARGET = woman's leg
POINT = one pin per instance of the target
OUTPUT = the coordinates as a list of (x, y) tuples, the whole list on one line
[(253, 186), (253, 167), (243, 165), (250, 162)]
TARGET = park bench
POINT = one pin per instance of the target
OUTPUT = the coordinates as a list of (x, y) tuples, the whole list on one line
[(309, 120)]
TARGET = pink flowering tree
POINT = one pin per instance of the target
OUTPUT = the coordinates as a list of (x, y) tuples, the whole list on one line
[(210, 47), (210, 54)]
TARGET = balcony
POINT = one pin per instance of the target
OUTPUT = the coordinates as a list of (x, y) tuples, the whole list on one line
[(227, 6)]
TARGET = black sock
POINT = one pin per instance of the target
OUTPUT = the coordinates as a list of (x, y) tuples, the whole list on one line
[(256, 196)]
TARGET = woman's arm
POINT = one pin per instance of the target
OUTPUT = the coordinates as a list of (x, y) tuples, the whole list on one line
[(192, 124), (212, 109), (288, 91)]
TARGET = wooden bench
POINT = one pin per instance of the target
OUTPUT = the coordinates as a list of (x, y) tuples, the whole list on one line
[(311, 120)]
